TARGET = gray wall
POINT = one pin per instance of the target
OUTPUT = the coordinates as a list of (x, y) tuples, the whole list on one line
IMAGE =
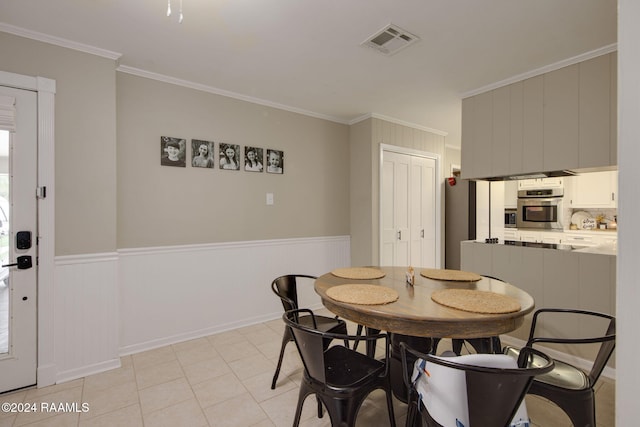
[(85, 138), (452, 157), (106, 200), (362, 206), (162, 206)]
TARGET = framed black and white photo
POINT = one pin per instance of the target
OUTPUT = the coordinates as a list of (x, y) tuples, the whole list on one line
[(253, 159), (229, 156), (173, 151), (202, 154), (275, 161)]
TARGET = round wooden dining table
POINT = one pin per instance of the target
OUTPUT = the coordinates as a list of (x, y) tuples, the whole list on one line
[(414, 313), (419, 321)]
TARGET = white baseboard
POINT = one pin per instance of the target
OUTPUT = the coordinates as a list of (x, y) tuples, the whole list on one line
[(46, 375), (96, 368)]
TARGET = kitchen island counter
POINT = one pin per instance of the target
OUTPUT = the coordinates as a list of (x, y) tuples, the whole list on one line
[(577, 278), (606, 248)]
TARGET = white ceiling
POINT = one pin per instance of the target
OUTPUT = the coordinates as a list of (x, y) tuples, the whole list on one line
[(305, 55)]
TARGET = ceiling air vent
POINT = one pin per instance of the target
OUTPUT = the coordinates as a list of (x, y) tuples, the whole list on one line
[(390, 40)]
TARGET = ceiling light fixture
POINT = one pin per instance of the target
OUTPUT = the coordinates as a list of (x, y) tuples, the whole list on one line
[(180, 17)]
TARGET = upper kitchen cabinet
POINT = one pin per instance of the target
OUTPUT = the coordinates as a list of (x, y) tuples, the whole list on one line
[(532, 126), (597, 122), (501, 144), (554, 182), (478, 131), (560, 119), (563, 119), (593, 190)]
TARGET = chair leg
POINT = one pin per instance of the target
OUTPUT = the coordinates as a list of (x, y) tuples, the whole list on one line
[(412, 409), (456, 345), (392, 416), (302, 395), (581, 410), (580, 407), (358, 332), (285, 340)]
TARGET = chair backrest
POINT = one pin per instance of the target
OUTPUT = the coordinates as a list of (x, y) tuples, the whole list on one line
[(607, 340), (475, 389), (285, 287), (309, 342)]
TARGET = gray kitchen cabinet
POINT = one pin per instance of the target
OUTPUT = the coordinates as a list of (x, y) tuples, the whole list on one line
[(466, 155), (483, 135), (532, 126), (554, 278), (561, 117), (476, 258), (594, 271), (477, 131), (501, 144), (516, 127), (595, 117), (613, 111)]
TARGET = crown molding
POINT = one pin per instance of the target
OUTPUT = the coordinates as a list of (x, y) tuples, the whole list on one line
[(542, 70), (34, 35), (210, 89), (398, 122)]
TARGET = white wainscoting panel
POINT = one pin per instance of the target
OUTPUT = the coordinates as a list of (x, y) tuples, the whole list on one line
[(85, 315), (173, 294)]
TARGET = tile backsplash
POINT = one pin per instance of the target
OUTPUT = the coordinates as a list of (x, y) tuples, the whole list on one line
[(608, 214)]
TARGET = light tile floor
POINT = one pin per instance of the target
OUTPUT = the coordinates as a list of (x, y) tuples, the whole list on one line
[(220, 380)]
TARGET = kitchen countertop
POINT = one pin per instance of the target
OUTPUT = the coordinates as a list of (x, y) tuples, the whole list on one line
[(603, 249)]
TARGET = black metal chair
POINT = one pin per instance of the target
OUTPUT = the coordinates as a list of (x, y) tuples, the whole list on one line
[(286, 288), (472, 390), (567, 386), (340, 377)]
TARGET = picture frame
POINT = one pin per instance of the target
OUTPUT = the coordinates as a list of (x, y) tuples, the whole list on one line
[(173, 151), (202, 154), (253, 159), (229, 157), (275, 161)]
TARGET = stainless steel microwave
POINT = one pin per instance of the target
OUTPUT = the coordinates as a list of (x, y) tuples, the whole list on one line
[(540, 208)]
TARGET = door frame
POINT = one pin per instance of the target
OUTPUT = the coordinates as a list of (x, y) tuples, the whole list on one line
[(45, 89), (417, 153)]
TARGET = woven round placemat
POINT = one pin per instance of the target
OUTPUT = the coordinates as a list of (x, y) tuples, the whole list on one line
[(452, 275), (360, 273), (476, 301), (362, 294)]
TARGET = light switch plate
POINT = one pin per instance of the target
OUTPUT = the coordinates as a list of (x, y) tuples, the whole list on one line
[(269, 199)]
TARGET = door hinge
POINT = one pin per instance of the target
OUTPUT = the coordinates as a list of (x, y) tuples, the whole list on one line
[(41, 192)]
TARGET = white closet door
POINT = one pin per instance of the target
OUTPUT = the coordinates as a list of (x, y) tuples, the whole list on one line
[(395, 209), (423, 209), (408, 211)]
